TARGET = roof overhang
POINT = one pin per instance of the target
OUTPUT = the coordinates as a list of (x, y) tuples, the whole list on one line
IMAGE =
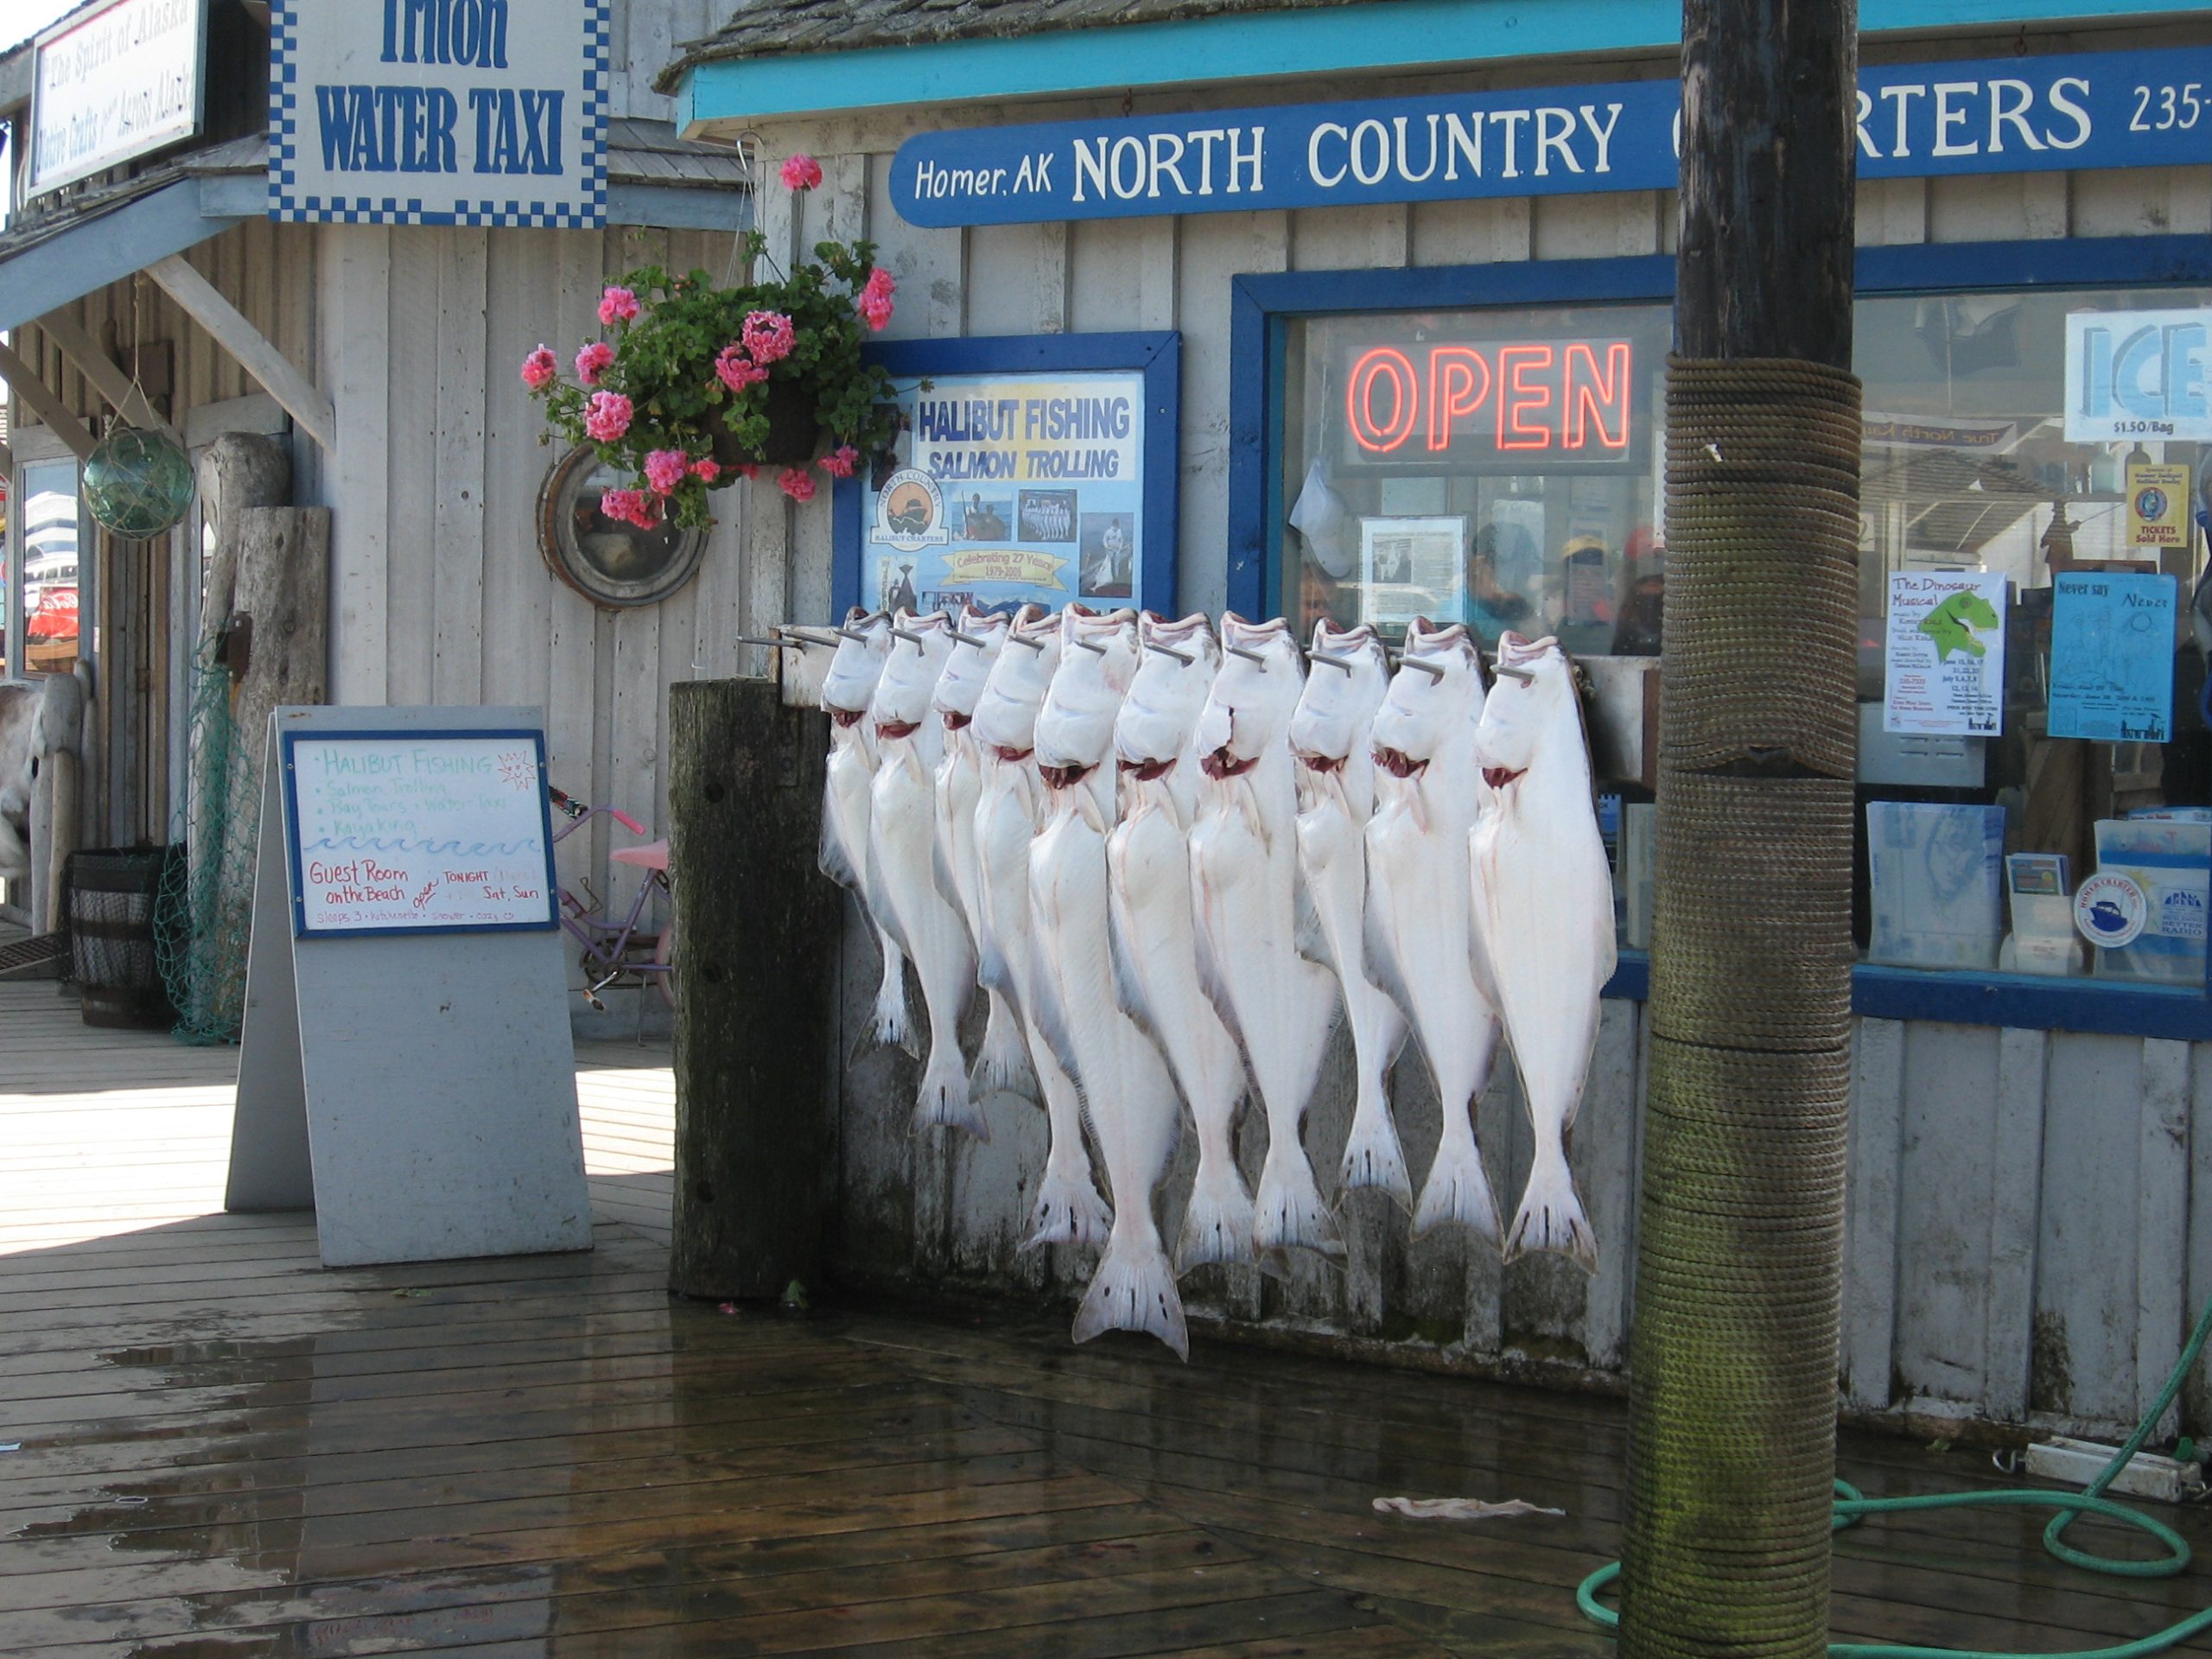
[(716, 94)]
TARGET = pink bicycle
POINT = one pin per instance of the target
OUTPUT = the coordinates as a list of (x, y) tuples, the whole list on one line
[(621, 955)]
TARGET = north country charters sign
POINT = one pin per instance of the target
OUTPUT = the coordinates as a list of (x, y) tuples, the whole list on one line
[(2001, 115)]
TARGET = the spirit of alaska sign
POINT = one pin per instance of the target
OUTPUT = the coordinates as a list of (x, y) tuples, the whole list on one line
[(2010, 115), (439, 112)]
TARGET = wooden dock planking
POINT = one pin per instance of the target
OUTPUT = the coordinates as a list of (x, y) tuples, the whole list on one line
[(225, 1450)]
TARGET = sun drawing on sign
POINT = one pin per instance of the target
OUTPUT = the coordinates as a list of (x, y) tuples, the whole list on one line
[(518, 770)]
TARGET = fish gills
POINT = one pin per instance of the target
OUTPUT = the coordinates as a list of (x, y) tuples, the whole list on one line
[(1543, 920)]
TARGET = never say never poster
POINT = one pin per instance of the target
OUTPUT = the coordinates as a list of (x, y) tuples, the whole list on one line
[(1008, 488)]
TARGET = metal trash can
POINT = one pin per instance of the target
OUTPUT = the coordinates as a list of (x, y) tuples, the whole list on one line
[(111, 894)]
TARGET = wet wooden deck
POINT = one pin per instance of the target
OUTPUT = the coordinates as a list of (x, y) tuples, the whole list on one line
[(211, 1448)]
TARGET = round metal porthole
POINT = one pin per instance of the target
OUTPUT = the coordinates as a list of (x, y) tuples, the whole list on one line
[(609, 563)]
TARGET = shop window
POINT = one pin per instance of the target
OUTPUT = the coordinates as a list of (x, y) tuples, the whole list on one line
[(48, 528), (2036, 616)]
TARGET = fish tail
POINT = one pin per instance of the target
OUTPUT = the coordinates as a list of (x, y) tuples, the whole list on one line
[(1069, 1211), (1372, 1155), (1288, 1210), (890, 1026), (1457, 1191), (1002, 1063), (1217, 1221), (1133, 1290), (1551, 1217), (945, 1101)]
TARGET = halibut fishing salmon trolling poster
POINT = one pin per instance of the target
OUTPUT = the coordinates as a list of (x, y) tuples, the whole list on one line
[(1007, 489)]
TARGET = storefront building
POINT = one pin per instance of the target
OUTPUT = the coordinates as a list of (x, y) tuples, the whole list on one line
[(1411, 264)]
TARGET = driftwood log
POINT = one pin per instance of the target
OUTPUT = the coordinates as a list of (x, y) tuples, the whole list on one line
[(756, 963)]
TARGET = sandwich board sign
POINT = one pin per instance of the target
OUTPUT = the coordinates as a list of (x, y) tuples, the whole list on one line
[(406, 1067)]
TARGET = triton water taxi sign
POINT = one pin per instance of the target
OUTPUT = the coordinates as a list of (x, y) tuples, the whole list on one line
[(2005, 115), (439, 112)]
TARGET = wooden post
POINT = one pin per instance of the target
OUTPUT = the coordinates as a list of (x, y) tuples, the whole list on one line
[(756, 969), (1733, 1346)]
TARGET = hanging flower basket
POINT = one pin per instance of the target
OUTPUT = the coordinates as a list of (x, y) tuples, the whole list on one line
[(701, 385)]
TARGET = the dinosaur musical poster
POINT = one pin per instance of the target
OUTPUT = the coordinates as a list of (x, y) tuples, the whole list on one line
[(1944, 672)]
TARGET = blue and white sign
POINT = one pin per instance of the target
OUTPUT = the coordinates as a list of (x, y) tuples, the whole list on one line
[(2002, 115), (2139, 374), (2111, 656), (439, 112)]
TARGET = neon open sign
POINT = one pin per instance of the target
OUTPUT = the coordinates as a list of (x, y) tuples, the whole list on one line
[(1568, 398)]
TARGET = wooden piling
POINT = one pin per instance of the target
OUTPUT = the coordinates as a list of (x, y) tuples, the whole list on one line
[(756, 965)]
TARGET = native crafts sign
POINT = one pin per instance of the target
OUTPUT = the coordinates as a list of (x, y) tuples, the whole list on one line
[(439, 112), (409, 832), (2005, 115), (115, 82)]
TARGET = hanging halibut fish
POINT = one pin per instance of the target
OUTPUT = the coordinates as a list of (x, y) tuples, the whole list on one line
[(1418, 905), (1331, 734), (1009, 807), (1155, 944), (1128, 1095), (1003, 1062), (1544, 919), (863, 648), (902, 839), (1244, 896)]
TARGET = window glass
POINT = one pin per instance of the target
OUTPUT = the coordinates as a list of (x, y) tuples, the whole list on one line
[(2035, 783), (48, 526)]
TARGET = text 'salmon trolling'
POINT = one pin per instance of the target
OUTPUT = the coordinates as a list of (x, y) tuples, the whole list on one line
[(2118, 109)]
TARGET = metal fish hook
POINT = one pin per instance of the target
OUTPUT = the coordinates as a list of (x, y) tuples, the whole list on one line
[(1332, 659), (773, 644), (1024, 639), (916, 641), (806, 639), (1520, 674), (1434, 671), (1182, 657), (853, 634), (976, 640), (1092, 645), (1249, 655)]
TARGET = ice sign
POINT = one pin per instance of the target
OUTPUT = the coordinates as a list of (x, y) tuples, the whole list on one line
[(404, 832)]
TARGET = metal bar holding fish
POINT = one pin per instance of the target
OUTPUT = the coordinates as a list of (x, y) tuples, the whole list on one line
[(773, 644), (806, 639), (1092, 645), (853, 634), (974, 640), (1332, 659), (1024, 639), (1520, 674), (1182, 656), (1434, 671), (918, 641), (1249, 655)]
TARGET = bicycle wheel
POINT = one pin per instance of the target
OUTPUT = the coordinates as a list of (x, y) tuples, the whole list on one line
[(664, 953)]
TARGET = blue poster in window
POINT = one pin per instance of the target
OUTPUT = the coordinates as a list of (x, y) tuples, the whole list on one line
[(2112, 656)]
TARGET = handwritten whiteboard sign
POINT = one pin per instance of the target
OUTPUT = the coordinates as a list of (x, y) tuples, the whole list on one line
[(415, 832)]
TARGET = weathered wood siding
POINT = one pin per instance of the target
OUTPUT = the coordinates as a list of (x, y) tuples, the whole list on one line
[(2021, 1244)]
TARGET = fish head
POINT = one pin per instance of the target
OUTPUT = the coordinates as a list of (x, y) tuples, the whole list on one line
[(1523, 715), (1098, 659), (1159, 716), (850, 686), (1248, 712), (1343, 688), (919, 648), (968, 668), (1006, 714), (1434, 700)]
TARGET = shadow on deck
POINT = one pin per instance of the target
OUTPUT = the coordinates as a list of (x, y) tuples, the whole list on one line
[(214, 1448)]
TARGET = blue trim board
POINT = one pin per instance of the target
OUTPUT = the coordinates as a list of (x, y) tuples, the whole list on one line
[(1263, 306), (1263, 46), (97, 251), (1158, 356)]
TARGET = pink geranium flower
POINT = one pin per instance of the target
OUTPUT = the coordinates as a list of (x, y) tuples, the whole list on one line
[(616, 305), (737, 370), (666, 468), (628, 507), (593, 362), (706, 470), (874, 301), (540, 369), (801, 172), (838, 463), (607, 417), (796, 482), (768, 336)]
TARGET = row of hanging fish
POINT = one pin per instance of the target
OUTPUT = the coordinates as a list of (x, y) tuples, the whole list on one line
[(1171, 858)]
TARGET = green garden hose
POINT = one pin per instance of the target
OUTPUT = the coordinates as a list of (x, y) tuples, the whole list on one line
[(1851, 1507)]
